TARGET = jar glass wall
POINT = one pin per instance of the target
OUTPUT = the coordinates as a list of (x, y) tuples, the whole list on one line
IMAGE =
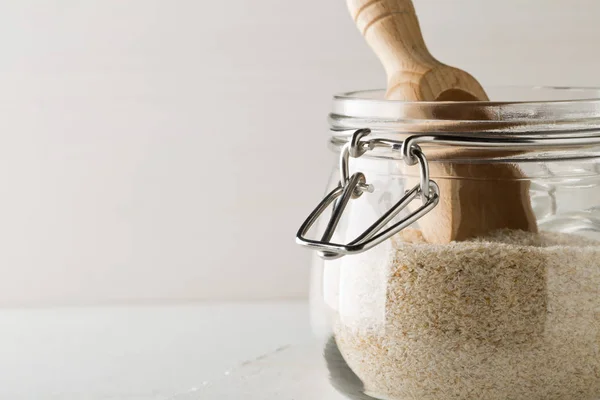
[(505, 315)]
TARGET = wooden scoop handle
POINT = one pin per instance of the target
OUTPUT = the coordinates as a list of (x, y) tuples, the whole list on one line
[(392, 30)]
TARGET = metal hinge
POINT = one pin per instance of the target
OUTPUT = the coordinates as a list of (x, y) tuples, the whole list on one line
[(353, 186)]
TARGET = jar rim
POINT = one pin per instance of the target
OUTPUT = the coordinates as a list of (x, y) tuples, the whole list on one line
[(509, 94), (567, 113)]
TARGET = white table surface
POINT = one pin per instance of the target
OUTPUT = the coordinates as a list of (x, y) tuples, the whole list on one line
[(160, 352)]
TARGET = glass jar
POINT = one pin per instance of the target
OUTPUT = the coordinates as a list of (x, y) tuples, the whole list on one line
[(511, 312)]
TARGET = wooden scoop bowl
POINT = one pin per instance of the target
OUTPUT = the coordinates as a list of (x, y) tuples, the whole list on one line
[(475, 199)]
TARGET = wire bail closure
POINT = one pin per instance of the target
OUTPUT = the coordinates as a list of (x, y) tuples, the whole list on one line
[(353, 186)]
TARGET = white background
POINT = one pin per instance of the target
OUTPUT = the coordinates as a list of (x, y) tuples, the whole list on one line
[(167, 150)]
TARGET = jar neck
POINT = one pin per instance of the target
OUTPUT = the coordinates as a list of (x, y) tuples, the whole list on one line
[(565, 127)]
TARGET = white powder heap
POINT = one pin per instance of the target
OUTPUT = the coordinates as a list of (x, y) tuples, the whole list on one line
[(514, 316)]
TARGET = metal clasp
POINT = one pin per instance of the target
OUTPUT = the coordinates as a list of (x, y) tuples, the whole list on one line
[(353, 186)]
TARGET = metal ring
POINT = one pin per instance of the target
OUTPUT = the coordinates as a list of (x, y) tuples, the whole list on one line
[(344, 165), (408, 149), (424, 171), (356, 147)]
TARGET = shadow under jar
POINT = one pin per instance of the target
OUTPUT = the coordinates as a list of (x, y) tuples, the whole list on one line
[(508, 314)]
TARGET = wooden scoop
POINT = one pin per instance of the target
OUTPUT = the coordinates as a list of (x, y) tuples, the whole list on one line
[(475, 199)]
